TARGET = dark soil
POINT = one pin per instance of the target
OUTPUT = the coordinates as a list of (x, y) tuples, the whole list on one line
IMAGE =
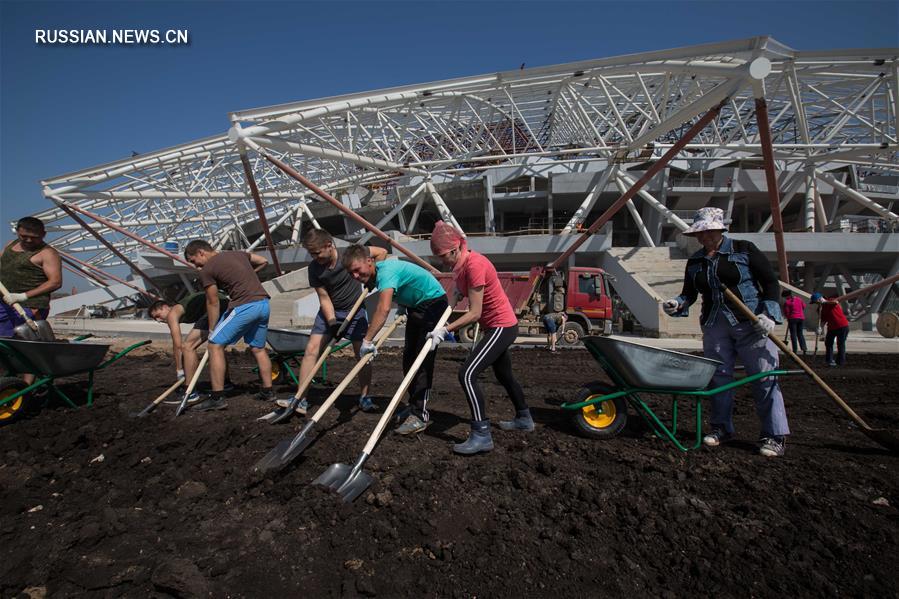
[(173, 508)]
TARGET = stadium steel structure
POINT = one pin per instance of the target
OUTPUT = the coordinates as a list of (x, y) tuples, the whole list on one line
[(536, 152)]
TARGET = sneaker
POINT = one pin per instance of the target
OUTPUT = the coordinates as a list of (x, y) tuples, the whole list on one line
[(832, 364), (194, 397), (366, 404), (265, 395), (229, 386), (716, 437), (400, 416), (412, 425), (772, 447), (213, 403), (301, 408)]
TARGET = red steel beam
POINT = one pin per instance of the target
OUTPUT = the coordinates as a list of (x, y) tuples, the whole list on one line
[(108, 245), (636, 187), (868, 289), (125, 232), (290, 171), (259, 211), (73, 259), (72, 268), (761, 117)]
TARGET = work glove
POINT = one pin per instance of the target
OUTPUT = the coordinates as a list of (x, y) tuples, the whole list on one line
[(763, 326), (334, 329), (14, 298), (671, 306), (368, 348), (437, 336), (819, 331), (179, 374)]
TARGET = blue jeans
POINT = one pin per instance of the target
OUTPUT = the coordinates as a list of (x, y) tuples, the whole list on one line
[(725, 342), (839, 335)]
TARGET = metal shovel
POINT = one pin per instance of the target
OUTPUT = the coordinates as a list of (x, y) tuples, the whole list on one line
[(881, 436), (281, 414), (193, 383), (32, 330), (159, 399), (350, 482), (288, 449)]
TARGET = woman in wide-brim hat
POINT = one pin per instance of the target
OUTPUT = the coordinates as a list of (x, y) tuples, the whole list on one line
[(726, 333)]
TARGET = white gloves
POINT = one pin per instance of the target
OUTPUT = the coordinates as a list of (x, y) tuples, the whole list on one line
[(763, 326), (671, 306), (14, 298), (437, 336), (368, 348), (179, 374)]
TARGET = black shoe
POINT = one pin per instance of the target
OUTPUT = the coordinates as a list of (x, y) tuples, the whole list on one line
[(213, 403), (265, 395), (229, 386)]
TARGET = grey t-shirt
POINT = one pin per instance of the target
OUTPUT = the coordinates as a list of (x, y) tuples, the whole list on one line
[(341, 287)]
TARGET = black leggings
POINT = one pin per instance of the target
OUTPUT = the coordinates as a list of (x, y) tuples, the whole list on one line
[(420, 321), (492, 349)]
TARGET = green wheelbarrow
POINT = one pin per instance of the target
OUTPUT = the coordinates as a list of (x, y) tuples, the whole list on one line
[(47, 361), (288, 348), (600, 410)]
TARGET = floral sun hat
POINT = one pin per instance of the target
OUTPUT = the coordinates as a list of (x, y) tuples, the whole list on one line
[(707, 219)]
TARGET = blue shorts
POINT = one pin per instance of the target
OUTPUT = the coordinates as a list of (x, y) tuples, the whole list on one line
[(10, 319), (355, 331), (549, 321), (249, 321)]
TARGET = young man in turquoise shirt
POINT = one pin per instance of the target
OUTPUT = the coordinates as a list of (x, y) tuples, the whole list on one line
[(415, 289)]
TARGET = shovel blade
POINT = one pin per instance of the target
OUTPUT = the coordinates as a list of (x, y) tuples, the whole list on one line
[(145, 411), (334, 477), (272, 460), (884, 437), (26, 333), (298, 444), (354, 486), (282, 414)]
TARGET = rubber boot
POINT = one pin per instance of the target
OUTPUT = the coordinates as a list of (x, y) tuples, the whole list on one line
[(479, 439), (521, 422)]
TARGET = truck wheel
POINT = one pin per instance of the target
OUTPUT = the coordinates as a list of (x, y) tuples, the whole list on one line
[(602, 420), (572, 334), (466, 335), (12, 411)]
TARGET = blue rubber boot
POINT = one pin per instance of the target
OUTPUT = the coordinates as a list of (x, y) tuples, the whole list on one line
[(521, 422), (479, 439)]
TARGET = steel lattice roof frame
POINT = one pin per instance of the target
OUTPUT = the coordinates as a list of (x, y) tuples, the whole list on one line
[(828, 109)]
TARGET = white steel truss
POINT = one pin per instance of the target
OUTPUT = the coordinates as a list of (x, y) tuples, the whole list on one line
[(829, 110)]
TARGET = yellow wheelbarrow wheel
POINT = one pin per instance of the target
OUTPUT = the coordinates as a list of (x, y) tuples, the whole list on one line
[(12, 411), (277, 371), (604, 419)]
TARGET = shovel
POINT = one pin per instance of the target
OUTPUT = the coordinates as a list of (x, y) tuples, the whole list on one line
[(288, 449), (282, 414), (31, 330), (881, 436), (159, 399), (193, 383), (349, 482)]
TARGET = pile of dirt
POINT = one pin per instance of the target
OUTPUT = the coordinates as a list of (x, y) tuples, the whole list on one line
[(96, 503)]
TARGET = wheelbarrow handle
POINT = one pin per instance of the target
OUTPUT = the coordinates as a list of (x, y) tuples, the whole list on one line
[(18, 308), (783, 347)]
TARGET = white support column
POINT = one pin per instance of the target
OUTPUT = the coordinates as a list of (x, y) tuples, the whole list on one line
[(442, 208), (809, 206), (644, 233), (789, 192), (882, 294), (489, 215), (311, 216), (297, 225), (670, 216), (856, 196), (415, 213), (587, 205), (271, 230), (389, 216)]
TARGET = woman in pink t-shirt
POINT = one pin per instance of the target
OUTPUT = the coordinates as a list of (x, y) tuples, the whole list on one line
[(476, 278)]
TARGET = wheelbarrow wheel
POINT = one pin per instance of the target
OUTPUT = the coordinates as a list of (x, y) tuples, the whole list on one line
[(602, 420), (12, 411), (278, 368)]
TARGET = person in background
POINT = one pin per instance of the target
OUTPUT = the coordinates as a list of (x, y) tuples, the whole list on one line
[(726, 333), (554, 322), (475, 277), (837, 328), (416, 290), (794, 312), (190, 310), (30, 270), (235, 273)]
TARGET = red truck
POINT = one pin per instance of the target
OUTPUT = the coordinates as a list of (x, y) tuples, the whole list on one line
[(582, 293)]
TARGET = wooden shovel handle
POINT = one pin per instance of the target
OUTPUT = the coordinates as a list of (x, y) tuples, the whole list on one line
[(304, 384), (783, 347), (168, 391), (197, 373), (382, 337), (407, 380), (18, 308)]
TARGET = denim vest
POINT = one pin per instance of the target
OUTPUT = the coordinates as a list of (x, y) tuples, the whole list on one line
[(746, 288)]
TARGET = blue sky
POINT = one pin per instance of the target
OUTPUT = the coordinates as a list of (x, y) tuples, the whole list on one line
[(63, 108)]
